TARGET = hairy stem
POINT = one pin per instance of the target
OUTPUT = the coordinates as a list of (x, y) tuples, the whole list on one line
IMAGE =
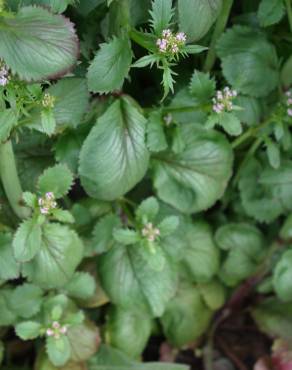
[(10, 180), (219, 28), (289, 12)]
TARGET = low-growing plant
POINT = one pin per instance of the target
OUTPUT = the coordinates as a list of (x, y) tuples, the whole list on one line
[(146, 177)]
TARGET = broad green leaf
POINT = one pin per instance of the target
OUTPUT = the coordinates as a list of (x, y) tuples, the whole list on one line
[(110, 66), (84, 7), (168, 225), (28, 330), (196, 178), (286, 72), (286, 229), (60, 253), (274, 318), (126, 236), (265, 192), (244, 244), (9, 267), (8, 120), (109, 358), (202, 86), (27, 240), (227, 120), (84, 340), (196, 17), (57, 179), (213, 294), (26, 300), (57, 6), (82, 286), (156, 139), (58, 350), (7, 317), (36, 44), (129, 281), (251, 110), (200, 256), (128, 330), (270, 12), (186, 316), (161, 15), (103, 238), (147, 210), (273, 152), (114, 157), (243, 49), (48, 122), (282, 276)]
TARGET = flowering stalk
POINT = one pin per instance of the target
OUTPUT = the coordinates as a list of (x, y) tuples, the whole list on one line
[(10, 180)]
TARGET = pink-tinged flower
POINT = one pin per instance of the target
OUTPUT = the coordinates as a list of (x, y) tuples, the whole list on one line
[(47, 203), (181, 37), (4, 74), (223, 100), (289, 111), (56, 330), (289, 101), (166, 33)]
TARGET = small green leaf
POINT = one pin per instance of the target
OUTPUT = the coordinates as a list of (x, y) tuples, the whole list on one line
[(7, 317), (168, 225), (110, 66), (9, 267), (213, 294), (58, 350), (270, 12), (147, 210), (126, 236), (57, 179), (194, 49), (27, 240), (161, 15), (286, 229), (128, 330), (103, 233), (82, 286), (48, 121), (62, 215), (114, 157), (227, 120), (26, 300), (28, 330), (156, 139), (37, 44), (145, 61), (8, 120), (273, 152), (29, 199), (282, 277), (202, 87)]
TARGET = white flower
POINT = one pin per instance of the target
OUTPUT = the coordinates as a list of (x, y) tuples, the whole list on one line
[(48, 101), (171, 43), (181, 37), (56, 330), (289, 111), (47, 203), (4, 74), (223, 100), (150, 232)]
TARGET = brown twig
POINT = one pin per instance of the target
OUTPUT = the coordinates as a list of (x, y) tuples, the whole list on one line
[(230, 354)]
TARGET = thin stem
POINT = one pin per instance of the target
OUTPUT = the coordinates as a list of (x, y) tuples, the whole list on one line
[(252, 131), (10, 180), (219, 28), (289, 12)]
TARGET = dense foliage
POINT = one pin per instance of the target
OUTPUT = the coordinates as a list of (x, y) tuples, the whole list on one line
[(146, 176)]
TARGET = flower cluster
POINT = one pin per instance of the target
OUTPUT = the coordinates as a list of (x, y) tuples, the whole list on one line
[(223, 100), (150, 232), (48, 101), (171, 43), (289, 103), (47, 203), (4, 74), (56, 330)]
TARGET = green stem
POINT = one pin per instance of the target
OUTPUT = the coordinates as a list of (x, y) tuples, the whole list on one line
[(252, 131), (289, 12), (10, 180), (219, 28)]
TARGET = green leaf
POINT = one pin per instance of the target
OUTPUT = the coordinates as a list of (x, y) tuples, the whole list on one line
[(244, 244), (36, 44), (85, 340), (286, 72), (58, 350), (126, 236), (227, 120), (27, 240), (156, 139), (161, 15), (114, 157), (243, 49), (273, 152), (270, 12), (202, 87), (193, 49), (63, 216), (48, 121), (26, 300), (286, 229), (196, 17), (82, 286), (9, 268), (7, 317), (128, 330), (109, 358), (266, 192), (168, 225), (57, 179), (103, 233), (28, 330), (251, 111), (29, 199), (145, 61), (147, 210), (213, 294), (129, 281), (60, 253), (200, 256), (57, 6), (8, 120), (282, 276), (186, 317), (196, 178), (110, 66)]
